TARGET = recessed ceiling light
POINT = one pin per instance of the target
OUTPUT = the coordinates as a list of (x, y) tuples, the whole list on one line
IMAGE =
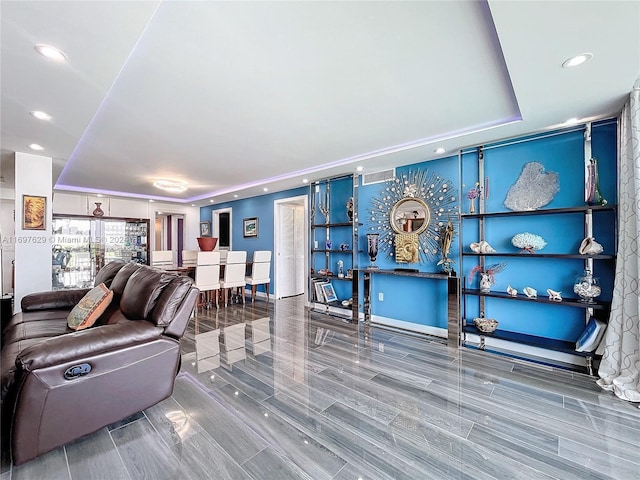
[(359, 168), (35, 146), (235, 195), (440, 150), (570, 121), (51, 53), (100, 195), (211, 201), (40, 115), (193, 204), (305, 180), (577, 60), (173, 186), (151, 200), (265, 189)]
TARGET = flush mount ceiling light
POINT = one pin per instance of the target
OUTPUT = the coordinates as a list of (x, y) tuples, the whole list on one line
[(40, 115), (172, 186), (577, 60), (52, 53), (35, 146)]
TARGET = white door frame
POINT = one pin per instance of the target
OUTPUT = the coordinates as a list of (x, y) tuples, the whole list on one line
[(215, 225), (304, 199)]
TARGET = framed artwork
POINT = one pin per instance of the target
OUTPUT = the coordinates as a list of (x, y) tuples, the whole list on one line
[(205, 229), (34, 212), (250, 227), (329, 293), (319, 293)]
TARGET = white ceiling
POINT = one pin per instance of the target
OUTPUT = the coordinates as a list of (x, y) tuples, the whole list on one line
[(234, 96)]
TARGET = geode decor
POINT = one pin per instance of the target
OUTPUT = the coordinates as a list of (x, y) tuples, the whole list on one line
[(534, 188)]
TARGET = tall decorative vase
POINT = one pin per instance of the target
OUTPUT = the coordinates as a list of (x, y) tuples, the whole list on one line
[(98, 212), (472, 205), (594, 195), (372, 248)]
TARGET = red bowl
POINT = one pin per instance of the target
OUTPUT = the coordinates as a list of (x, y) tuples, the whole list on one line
[(207, 244)]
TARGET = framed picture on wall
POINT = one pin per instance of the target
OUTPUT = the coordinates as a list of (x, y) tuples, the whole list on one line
[(250, 227), (34, 212), (205, 229)]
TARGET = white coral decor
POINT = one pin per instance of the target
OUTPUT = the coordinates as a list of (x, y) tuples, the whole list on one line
[(528, 242), (534, 188)]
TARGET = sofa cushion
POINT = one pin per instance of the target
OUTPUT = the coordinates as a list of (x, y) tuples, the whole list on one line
[(89, 309), (142, 291), (122, 277), (170, 299), (108, 272)]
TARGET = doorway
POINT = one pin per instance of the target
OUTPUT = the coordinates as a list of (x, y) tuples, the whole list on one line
[(221, 228), (290, 246)]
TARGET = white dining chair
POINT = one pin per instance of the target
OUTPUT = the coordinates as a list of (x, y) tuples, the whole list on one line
[(161, 258), (189, 258), (207, 277), (260, 271), (234, 271)]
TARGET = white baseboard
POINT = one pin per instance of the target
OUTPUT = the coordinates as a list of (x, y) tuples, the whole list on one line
[(410, 326)]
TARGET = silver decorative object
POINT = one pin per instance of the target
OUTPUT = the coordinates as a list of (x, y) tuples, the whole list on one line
[(554, 296), (534, 188), (587, 287)]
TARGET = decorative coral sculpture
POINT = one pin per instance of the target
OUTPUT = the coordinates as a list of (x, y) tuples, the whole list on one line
[(528, 242), (534, 188)]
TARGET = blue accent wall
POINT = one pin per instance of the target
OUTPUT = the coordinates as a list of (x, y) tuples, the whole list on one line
[(423, 301), (260, 207)]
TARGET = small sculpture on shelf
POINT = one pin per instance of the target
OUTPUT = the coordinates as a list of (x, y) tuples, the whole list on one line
[(533, 189), (446, 239), (589, 246), (512, 291), (481, 247), (340, 269), (554, 296), (530, 292), (350, 209), (98, 212), (487, 276), (485, 325), (528, 242)]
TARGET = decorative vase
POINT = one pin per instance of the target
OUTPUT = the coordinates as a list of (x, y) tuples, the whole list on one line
[(485, 282), (207, 244), (472, 206), (372, 248), (350, 209), (98, 212), (594, 196), (587, 287)]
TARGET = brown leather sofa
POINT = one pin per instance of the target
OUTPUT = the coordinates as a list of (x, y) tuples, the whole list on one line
[(59, 384)]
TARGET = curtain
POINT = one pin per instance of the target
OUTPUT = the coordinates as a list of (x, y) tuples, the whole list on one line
[(620, 366)]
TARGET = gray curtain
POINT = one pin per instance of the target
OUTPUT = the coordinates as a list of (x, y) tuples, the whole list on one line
[(620, 366)]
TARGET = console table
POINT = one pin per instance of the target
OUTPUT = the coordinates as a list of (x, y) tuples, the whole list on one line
[(453, 298)]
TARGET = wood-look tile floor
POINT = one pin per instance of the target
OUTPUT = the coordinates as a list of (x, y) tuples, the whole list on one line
[(277, 392)]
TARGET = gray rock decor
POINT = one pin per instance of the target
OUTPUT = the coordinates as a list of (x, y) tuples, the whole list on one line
[(534, 188)]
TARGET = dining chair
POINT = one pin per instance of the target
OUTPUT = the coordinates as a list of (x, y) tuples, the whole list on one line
[(207, 277), (161, 258), (234, 272), (260, 270), (189, 258)]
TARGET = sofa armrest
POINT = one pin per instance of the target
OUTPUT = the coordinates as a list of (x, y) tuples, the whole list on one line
[(85, 343), (52, 300)]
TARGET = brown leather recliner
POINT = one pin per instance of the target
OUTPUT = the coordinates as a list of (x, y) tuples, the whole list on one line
[(59, 384)]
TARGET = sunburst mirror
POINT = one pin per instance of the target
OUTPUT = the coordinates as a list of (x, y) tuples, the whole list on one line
[(413, 209)]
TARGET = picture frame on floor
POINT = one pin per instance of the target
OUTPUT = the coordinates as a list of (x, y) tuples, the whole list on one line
[(319, 293), (329, 292)]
